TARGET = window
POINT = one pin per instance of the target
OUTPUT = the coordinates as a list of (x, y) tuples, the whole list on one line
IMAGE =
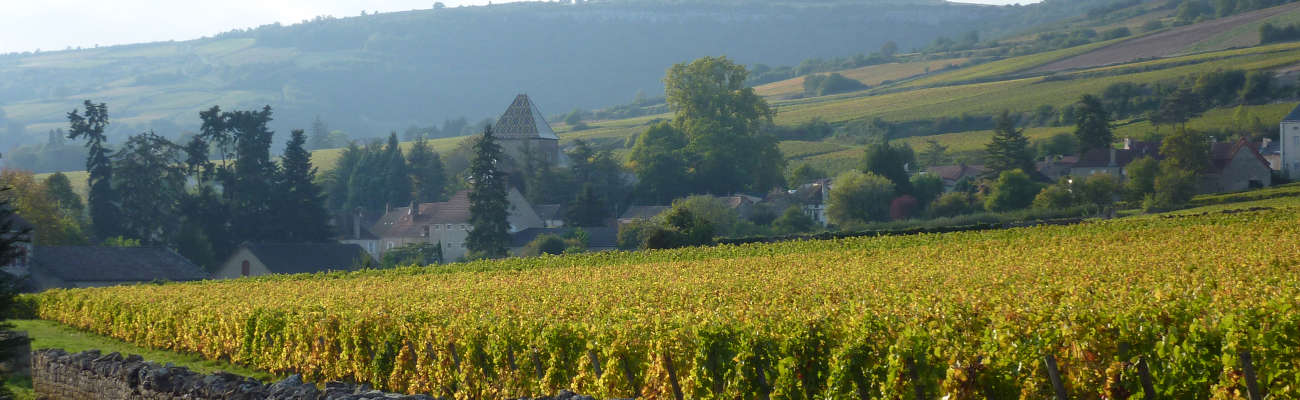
[(462, 227), (448, 226), (243, 268)]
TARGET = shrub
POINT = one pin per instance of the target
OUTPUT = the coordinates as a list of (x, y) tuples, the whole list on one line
[(1012, 191), (858, 198)]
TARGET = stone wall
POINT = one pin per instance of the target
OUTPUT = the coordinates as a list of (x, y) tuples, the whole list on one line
[(57, 375)]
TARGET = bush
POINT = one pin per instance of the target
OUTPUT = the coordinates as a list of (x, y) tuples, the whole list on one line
[(1174, 187), (1099, 190), (951, 204), (545, 244), (1153, 25), (1116, 33), (1012, 191), (858, 198), (793, 221), (412, 254), (1054, 197), (821, 85)]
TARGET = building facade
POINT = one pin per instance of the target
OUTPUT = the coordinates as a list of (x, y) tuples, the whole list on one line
[(1290, 144)]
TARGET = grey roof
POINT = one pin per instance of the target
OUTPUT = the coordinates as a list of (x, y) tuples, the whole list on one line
[(522, 120), (114, 264), (597, 237), (297, 258), (1294, 115)]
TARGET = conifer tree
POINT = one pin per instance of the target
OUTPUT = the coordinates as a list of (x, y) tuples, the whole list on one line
[(104, 214), (1009, 149), (428, 177), (397, 181), (588, 209), (301, 207), (489, 208), (1092, 124)]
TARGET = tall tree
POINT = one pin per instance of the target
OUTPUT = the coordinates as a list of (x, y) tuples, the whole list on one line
[(588, 209), (660, 164), (150, 177), (428, 177), (31, 200), (1186, 150), (934, 154), (721, 117), (1009, 149), (397, 181), (891, 162), (248, 184), (300, 213), (13, 238), (1092, 124), (60, 189), (320, 135), (104, 214), (489, 208), (1177, 108)]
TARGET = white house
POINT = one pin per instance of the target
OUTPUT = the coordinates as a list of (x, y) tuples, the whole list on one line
[(1290, 144)]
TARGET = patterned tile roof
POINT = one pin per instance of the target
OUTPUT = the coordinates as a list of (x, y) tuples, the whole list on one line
[(522, 120)]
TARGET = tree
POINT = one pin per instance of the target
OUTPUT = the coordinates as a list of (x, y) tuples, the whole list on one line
[(396, 189), (588, 209), (150, 178), (1099, 190), (891, 162), (1186, 150), (1141, 179), (934, 153), (1009, 149), (23, 195), (104, 214), (1177, 108), (545, 244), (722, 218), (301, 214), (793, 221), (951, 204), (858, 198), (320, 135), (420, 254), (805, 173), (721, 118), (247, 184), (60, 189), (12, 238), (1013, 190), (926, 188), (1056, 197), (428, 177), (488, 207), (1092, 124), (1258, 88), (1174, 187), (659, 161), (889, 49)]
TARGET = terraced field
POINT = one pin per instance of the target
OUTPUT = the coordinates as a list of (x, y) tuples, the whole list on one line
[(871, 75), (962, 315)]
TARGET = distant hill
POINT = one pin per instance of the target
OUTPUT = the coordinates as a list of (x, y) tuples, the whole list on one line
[(371, 74)]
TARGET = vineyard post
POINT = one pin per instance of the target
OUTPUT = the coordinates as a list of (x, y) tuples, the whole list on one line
[(762, 381), (510, 359), (455, 357), (631, 381), (595, 362), (537, 365), (672, 377), (916, 378), (1055, 375), (1248, 368), (1144, 373)]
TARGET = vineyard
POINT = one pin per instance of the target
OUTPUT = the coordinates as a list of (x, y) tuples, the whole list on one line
[(961, 315)]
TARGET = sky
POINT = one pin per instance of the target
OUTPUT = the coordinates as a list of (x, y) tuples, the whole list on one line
[(27, 25)]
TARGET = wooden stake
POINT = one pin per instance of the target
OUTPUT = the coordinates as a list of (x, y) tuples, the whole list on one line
[(672, 377), (595, 362), (1144, 373), (1248, 368), (1055, 375)]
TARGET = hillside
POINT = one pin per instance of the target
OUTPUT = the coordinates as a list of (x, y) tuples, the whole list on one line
[(371, 74), (956, 315)]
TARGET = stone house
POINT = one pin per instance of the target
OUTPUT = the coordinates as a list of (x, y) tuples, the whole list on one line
[(49, 267), (1112, 160), (1234, 167), (256, 259), (1289, 153), (951, 174), (446, 224)]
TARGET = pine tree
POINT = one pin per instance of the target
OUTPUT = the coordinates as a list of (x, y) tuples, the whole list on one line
[(150, 178), (320, 135), (489, 208), (104, 213), (397, 181), (1009, 149), (428, 177), (1092, 124), (301, 207), (12, 238), (588, 209)]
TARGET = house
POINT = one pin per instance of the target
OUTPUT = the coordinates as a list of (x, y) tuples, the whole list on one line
[(1290, 144), (552, 215), (1272, 152), (522, 130), (1234, 167), (951, 174), (641, 213), (742, 204), (254, 259), (353, 229), (445, 223), (601, 238), (51, 267), (1056, 167), (1112, 160)]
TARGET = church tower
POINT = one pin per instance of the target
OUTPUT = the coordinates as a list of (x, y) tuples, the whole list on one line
[(522, 130)]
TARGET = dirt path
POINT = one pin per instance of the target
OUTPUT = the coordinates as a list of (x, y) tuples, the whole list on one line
[(1163, 44)]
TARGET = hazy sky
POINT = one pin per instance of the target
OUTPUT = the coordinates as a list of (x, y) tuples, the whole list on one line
[(57, 24)]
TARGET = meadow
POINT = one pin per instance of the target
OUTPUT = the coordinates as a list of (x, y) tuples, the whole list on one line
[(964, 315)]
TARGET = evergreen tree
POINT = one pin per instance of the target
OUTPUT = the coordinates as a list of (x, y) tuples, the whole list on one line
[(320, 135), (428, 177), (588, 209), (890, 162), (489, 208), (396, 185), (934, 154), (301, 215), (1009, 149), (1092, 124), (150, 179), (104, 214), (12, 238), (248, 184)]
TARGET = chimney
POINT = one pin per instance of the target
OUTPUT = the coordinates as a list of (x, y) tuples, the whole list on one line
[(1128, 143), (1263, 144), (1112, 157), (414, 209), (356, 225)]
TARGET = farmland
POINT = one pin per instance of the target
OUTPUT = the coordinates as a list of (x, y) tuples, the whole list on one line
[(957, 314)]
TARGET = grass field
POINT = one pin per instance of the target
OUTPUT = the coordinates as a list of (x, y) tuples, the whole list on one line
[(888, 315), (871, 75)]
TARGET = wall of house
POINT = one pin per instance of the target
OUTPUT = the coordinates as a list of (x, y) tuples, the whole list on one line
[(233, 267), (371, 246), (57, 375), (1238, 175), (1291, 148)]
